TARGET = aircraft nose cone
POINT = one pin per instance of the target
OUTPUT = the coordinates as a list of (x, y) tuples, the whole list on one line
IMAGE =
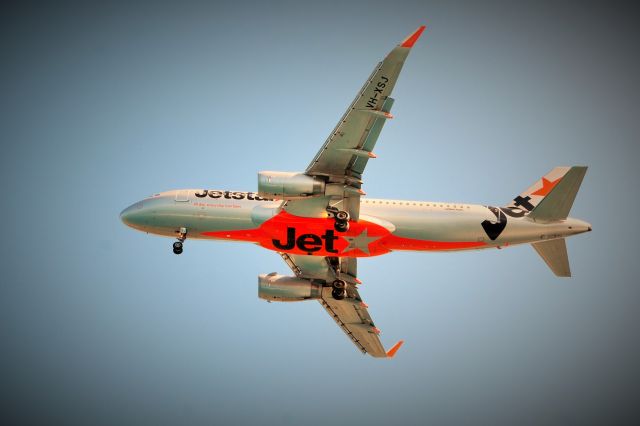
[(125, 215), (132, 215)]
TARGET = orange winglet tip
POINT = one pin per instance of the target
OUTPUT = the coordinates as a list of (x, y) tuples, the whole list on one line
[(361, 192), (372, 155), (411, 40), (364, 305), (392, 352), (376, 330), (357, 280)]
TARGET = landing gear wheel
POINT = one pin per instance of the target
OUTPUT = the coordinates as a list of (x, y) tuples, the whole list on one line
[(339, 289), (338, 294), (332, 210), (177, 247), (339, 284), (342, 216), (341, 226)]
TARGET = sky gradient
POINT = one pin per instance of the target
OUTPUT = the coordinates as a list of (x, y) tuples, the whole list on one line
[(103, 105)]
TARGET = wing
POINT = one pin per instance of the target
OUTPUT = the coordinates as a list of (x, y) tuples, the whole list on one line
[(350, 313), (341, 162), (344, 155), (348, 148)]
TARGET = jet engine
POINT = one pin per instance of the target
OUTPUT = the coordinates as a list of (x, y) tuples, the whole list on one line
[(288, 185), (281, 288)]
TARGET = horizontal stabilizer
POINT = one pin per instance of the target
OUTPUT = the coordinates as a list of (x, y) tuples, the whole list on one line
[(558, 202), (554, 253)]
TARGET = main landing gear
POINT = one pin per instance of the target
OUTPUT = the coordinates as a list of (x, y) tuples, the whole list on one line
[(341, 219), (339, 289), (177, 246)]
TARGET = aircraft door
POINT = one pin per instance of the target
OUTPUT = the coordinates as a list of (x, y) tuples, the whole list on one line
[(182, 196)]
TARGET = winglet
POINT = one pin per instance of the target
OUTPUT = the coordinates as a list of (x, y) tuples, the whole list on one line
[(392, 352), (411, 40)]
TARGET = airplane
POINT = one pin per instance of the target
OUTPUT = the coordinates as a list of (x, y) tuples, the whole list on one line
[(320, 221)]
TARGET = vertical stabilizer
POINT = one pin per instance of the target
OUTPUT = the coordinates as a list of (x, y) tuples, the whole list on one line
[(557, 203), (533, 195), (554, 253), (551, 197)]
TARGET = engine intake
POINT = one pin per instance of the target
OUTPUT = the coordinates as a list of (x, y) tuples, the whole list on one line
[(288, 185), (281, 288)]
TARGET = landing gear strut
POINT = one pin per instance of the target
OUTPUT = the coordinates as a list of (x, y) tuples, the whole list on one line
[(341, 219), (339, 289), (177, 246)]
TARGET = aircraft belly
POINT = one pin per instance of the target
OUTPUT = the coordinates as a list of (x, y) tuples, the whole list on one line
[(438, 228), (377, 232), (432, 229), (381, 229), (465, 227)]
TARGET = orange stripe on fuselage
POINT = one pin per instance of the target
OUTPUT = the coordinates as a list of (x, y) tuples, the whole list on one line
[(399, 243), (316, 236)]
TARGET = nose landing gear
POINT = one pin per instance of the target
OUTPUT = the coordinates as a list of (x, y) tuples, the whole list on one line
[(341, 219), (177, 246)]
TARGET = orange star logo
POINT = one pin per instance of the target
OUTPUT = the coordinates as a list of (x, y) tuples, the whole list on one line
[(547, 186)]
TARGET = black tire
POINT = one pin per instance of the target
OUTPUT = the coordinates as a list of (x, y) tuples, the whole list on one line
[(177, 245), (177, 251), (341, 226), (338, 294), (342, 216), (339, 285), (332, 210)]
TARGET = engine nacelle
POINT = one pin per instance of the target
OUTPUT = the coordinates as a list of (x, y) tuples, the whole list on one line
[(288, 185), (280, 288)]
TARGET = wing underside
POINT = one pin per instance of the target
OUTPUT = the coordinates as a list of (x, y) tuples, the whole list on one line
[(350, 313), (352, 317), (346, 151), (342, 159)]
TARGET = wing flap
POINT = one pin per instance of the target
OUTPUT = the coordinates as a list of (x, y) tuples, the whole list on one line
[(359, 163)]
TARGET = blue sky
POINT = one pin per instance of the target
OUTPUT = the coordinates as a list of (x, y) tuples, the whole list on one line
[(105, 104)]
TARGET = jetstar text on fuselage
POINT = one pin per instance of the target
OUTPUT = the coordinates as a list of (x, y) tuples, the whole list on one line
[(309, 243), (230, 195)]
